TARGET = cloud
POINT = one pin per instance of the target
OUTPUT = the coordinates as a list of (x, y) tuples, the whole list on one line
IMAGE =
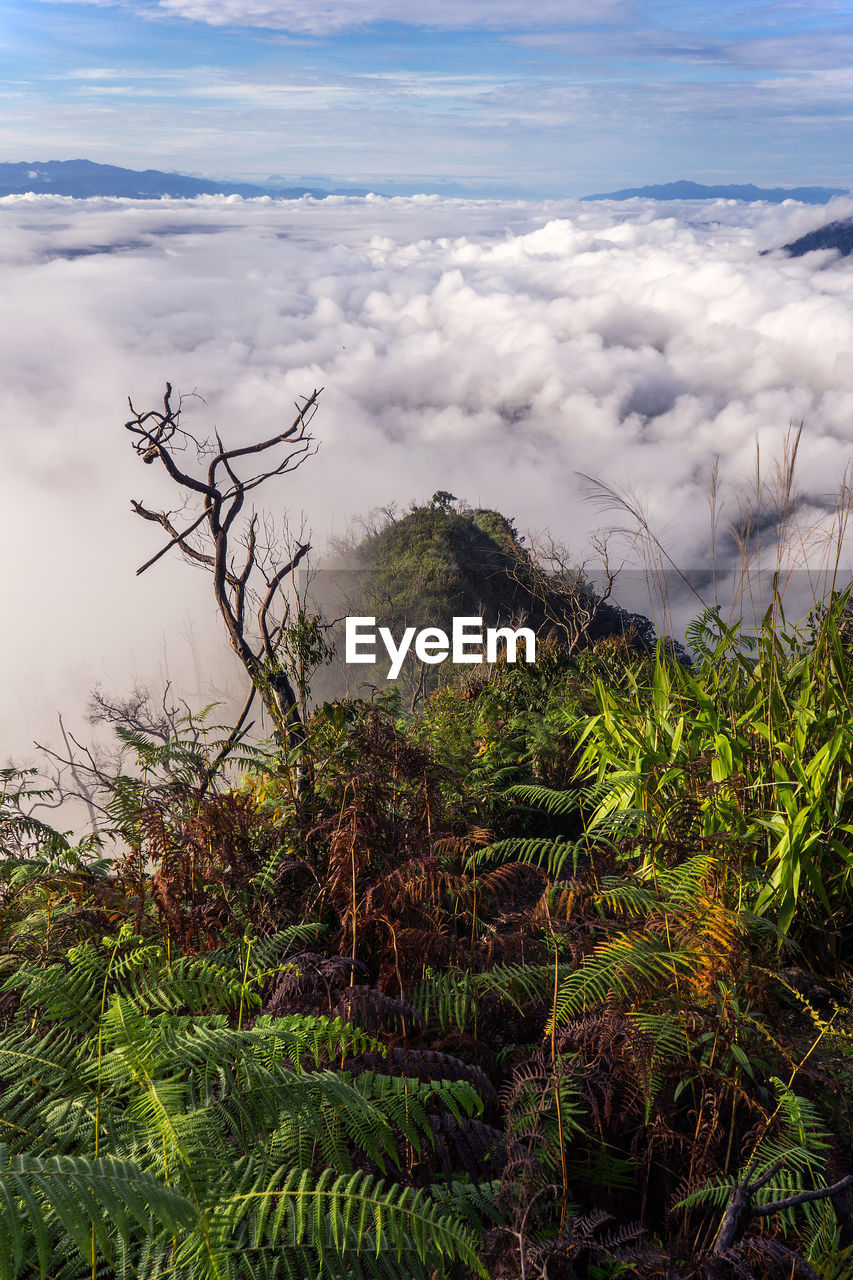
[(324, 17), (339, 15), (492, 349), (552, 99)]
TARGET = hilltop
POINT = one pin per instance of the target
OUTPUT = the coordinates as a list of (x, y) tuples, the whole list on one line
[(443, 559), (835, 235)]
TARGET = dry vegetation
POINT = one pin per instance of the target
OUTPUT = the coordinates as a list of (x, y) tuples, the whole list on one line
[(546, 979)]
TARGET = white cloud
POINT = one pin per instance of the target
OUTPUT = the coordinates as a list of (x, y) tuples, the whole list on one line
[(493, 349), (315, 18), (322, 17)]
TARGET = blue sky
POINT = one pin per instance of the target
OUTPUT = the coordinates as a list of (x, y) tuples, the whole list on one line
[(553, 97)]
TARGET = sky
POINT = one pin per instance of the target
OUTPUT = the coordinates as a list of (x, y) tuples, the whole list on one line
[(557, 98)]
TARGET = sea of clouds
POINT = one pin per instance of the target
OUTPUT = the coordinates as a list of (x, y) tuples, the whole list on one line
[(491, 349)]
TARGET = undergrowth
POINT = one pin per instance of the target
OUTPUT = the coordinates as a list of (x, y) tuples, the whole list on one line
[(550, 978)]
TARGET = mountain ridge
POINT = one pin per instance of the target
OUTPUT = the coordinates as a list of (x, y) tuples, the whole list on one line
[(84, 179), (684, 190), (833, 235)]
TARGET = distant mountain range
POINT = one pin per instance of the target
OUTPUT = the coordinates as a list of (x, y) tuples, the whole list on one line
[(696, 191), (84, 178)]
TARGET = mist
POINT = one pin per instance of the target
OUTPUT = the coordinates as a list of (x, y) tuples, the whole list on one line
[(493, 349)]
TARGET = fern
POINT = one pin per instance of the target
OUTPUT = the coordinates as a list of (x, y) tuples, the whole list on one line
[(302, 1039), (446, 1000), (339, 1215), (45, 1199), (550, 855), (239, 1144), (556, 803), (622, 965), (712, 640)]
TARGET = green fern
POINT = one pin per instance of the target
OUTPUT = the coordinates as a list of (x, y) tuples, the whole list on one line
[(45, 1199), (175, 1144), (556, 803), (550, 855), (622, 965)]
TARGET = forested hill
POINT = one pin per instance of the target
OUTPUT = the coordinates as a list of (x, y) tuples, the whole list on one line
[(444, 559), (835, 235)]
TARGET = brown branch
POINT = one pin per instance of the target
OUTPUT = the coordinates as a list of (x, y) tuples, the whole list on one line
[(177, 538), (284, 467), (156, 446), (300, 422), (242, 580), (274, 584), (767, 1177), (740, 1208), (233, 738), (804, 1197), (161, 518)]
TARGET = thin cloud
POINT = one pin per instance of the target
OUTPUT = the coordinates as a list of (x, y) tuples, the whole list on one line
[(315, 19), (308, 17)]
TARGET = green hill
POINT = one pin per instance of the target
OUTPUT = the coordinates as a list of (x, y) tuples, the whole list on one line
[(443, 560)]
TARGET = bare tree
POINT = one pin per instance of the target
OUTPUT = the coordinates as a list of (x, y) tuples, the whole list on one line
[(77, 772), (87, 772), (138, 711), (249, 574), (548, 573)]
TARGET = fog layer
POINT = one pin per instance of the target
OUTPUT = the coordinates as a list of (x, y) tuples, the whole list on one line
[(491, 349)]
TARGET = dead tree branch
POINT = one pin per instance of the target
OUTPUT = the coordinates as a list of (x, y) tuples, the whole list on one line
[(740, 1209), (255, 585), (547, 572)]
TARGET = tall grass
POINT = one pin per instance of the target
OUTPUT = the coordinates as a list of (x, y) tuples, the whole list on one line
[(753, 744)]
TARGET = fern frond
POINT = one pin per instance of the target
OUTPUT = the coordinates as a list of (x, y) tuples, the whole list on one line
[(622, 964), (550, 855), (47, 1198), (345, 1214), (556, 803)]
